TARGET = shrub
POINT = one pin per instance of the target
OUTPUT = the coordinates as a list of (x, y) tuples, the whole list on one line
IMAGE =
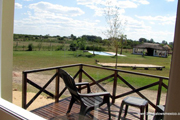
[(96, 48), (30, 47), (60, 47)]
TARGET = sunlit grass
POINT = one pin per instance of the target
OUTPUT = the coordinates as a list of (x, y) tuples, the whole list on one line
[(28, 60)]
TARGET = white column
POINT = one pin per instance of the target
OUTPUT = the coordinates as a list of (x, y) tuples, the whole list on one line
[(6, 48), (173, 96), (0, 38)]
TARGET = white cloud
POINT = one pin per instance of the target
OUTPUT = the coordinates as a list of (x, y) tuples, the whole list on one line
[(120, 4), (136, 25), (158, 36), (99, 5), (86, 2), (48, 8), (56, 25), (152, 23), (127, 4), (163, 19), (141, 1), (27, 0), (97, 21), (170, 0), (18, 6), (28, 13), (136, 29), (47, 18), (140, 28)]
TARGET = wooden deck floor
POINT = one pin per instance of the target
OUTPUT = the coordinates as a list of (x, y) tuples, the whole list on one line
[(57, 111)]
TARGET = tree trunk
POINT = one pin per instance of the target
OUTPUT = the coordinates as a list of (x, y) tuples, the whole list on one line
[(116, 57), (121, 51)]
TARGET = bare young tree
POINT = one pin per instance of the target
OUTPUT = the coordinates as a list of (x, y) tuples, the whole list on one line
[(123, 41), (115, 26)]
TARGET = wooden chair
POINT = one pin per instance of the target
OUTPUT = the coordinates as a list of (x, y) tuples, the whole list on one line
[(88, 101)]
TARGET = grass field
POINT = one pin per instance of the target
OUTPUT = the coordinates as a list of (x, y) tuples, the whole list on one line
[(28, 60)]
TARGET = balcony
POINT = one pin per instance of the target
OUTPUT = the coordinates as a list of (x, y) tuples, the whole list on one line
[(84, 72)]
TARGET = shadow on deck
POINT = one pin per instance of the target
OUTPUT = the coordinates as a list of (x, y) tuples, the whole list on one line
[(57, 111)]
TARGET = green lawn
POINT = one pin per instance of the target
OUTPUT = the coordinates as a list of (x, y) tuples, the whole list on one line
[(28, 60)]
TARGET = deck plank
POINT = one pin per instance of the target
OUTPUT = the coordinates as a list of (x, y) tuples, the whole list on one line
[(57, 111)]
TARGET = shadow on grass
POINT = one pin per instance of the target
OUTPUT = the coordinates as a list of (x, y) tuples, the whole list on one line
[(113, 56), (90, 56), (82, 55)]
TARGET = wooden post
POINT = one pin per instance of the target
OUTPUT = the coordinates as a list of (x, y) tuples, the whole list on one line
[(114, 87), (80, 76), (24, 89), (57, 86), (159, 92)]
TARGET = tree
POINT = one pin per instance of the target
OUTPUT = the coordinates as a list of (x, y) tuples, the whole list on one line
[(73, 37), (60, 38), (107, 43), (16, 45), (115, 26), (171, 45), (82, 44), (151, 40), (164, 42), (73, 46), (141, 40), (122, 41), (30, 47), (39, 46)]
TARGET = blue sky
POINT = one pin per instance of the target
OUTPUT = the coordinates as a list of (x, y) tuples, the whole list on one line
[(144, 18)]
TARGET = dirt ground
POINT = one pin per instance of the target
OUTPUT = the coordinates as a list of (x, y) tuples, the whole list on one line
[(43, 100)]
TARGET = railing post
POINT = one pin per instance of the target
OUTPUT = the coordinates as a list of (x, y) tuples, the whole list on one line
[(114, 87), (80, 76), (57, 86), (159, 92), (24, 89)]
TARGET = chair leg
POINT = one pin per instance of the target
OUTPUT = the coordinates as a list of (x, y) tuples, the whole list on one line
[(125, 113), (109, 110), (121, 108), (141, 113), (70, 105), (147, 112), (82, 112)]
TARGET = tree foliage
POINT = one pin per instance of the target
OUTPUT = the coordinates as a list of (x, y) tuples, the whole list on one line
[(84, 42), (92, 38)]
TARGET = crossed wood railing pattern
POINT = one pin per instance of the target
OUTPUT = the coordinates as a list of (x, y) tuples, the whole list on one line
[(79, 74)]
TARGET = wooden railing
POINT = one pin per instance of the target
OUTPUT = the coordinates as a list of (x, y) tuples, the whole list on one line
[(79, 73)]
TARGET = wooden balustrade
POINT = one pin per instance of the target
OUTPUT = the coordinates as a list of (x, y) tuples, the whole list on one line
[(82, 71)]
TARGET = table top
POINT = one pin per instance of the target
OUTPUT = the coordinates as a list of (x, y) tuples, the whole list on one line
[(135, 101)]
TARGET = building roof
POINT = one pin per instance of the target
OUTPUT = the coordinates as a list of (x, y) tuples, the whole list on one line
[(167, 47), (150, 45)]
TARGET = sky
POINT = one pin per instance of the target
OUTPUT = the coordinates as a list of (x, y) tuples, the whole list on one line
[(150, 19)]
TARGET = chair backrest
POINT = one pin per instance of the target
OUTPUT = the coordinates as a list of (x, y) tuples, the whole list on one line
[(70, 84)]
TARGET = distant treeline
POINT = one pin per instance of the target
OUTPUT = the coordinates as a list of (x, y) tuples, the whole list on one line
[(72, 42)]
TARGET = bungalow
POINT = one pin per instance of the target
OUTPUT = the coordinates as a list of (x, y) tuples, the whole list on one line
[(151, 49)]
